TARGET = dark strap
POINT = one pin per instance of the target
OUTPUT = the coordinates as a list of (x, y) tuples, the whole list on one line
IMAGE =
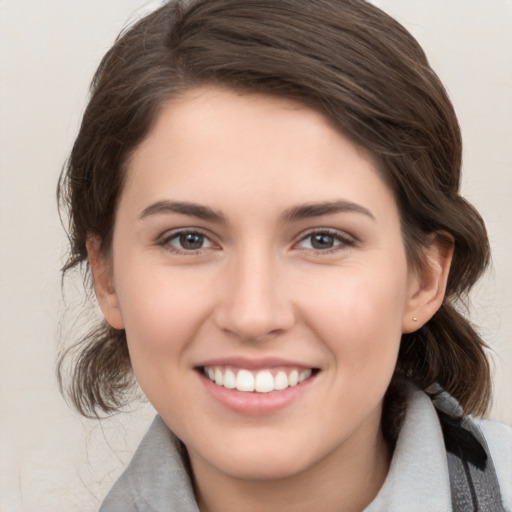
[(473, 481)]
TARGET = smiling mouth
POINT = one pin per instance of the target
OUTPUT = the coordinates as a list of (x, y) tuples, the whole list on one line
[(261, 381)]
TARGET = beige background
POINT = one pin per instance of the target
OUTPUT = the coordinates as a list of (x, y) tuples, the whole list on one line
[(52, 460)]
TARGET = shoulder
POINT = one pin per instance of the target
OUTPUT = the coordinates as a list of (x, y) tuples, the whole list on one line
[(156, 479), (498, 437), (493, 437)]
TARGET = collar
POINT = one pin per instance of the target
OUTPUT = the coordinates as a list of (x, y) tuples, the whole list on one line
[(156, 479), (418, 478)]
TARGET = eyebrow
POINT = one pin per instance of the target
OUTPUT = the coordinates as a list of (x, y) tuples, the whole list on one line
[(295, 213), (183, 208), (309, 210)]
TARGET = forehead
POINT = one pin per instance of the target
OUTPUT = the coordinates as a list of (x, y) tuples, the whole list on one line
[(219, 145)]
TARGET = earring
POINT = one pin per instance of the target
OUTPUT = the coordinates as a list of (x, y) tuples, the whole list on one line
[(414, 319)]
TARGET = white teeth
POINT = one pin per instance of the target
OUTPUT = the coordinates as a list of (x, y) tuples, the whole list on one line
[(293, 378), (304, 375), (229, 380), (280, 381), (245, 381), (262, 381)]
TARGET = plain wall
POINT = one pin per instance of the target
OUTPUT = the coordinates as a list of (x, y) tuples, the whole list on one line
[(51, 459)]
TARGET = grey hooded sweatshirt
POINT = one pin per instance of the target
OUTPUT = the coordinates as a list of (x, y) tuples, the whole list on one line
[(418, 479)]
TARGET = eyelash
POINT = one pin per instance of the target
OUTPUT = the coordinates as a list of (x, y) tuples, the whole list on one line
[(343, 241), (166, 240)]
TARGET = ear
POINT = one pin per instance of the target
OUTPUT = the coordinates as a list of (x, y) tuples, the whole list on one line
[(101, 269), (427, 285)]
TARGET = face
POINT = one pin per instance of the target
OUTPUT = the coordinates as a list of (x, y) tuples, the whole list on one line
[(260, 273)]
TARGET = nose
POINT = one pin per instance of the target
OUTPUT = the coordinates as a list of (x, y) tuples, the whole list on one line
[(253, 304)]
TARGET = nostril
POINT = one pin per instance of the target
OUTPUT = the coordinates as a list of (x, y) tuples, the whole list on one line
[(254, 324)]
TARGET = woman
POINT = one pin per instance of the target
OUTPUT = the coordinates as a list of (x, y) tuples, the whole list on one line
[(267, 197)]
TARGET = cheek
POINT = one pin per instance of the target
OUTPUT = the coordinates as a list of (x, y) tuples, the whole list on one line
[(162, 310), (358, 314)]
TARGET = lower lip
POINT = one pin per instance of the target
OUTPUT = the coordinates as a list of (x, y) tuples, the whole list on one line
[(255, 404)]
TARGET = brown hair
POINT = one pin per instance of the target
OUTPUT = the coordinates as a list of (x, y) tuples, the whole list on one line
[(345, 58)]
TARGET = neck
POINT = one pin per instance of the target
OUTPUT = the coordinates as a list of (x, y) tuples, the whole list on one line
[(347, 480)]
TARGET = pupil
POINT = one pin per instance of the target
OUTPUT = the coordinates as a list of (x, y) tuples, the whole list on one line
[(191, 241), (322, 241)]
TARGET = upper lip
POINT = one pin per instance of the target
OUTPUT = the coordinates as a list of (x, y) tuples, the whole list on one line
[(254, 363)]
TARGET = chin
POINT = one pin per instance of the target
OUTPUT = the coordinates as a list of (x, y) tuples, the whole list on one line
[(260, 465), (258, 458)]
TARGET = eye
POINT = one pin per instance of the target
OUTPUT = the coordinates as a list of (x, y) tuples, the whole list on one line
[(186, 241), (325, 240)]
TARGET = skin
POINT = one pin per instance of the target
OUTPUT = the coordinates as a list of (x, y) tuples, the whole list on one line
[(258, 288)]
